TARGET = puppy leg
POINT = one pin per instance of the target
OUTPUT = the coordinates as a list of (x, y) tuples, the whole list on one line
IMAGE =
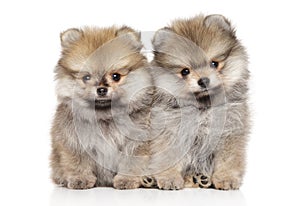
[(229, 164), (134, 180), (72, 170), (170, 179)]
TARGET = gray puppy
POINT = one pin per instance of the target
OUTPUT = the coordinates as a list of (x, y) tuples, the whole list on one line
[(104, 92), (202, 79)]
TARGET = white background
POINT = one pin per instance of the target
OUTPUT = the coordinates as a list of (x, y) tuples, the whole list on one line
[(30, 48)]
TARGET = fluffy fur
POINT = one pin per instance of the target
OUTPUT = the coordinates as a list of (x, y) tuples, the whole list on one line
[(95, 135), (207, 124)]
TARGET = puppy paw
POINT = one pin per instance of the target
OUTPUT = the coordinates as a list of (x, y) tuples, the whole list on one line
[(198, 180), (204, 181), (81, 182), (148, 182), (221, 182), (126, 182), (170, 183)]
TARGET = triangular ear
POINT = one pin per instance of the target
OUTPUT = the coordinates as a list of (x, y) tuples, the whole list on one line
[(130, 32), (129, 35), (161, 36), (70, 36), (217, 20)]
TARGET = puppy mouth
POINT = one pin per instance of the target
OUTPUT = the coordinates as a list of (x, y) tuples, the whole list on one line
[(102, 103), (202, 93), (206, 92)]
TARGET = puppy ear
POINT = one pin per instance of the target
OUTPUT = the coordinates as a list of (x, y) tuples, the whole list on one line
[(125, 30), (161, 36), (219, 21), (130, 36), (70, 36)]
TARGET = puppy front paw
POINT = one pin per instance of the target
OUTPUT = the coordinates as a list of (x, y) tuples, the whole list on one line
[(198, 180), (228, 182), (148, 182), (204, 181), (81, 182), (170, 183), (122, 182)]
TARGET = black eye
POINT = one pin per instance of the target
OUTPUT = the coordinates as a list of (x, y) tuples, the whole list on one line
[(185, 72), (214, 64), (116, 77), (86, 78)]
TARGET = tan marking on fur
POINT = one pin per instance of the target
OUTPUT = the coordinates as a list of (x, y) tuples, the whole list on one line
[(210, 39), (123, 72), (220, 66), (193, 75), (76, 54)]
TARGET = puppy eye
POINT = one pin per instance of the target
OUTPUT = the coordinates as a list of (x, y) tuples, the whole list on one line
[(86, 78), (214, 64), (116, 77), (185, 72)]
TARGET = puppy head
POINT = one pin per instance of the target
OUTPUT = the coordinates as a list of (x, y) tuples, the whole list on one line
[(98, 66), (204, 53)]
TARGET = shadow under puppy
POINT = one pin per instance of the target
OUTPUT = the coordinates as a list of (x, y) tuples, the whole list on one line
[(201, 70), (104, 92)]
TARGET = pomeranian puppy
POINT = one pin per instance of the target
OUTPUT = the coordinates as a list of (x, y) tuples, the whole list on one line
[(202, 75), (104, 93)]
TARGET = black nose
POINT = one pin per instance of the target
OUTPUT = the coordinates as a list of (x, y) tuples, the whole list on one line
[(102, 91), (203, 82)]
